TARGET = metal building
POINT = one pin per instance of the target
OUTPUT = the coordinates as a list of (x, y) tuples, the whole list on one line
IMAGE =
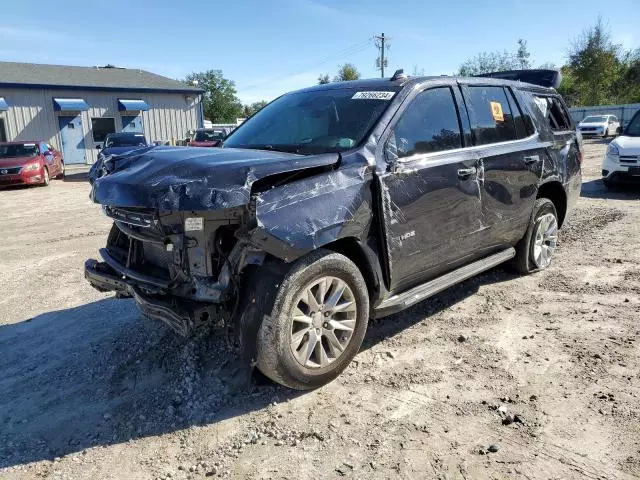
[(74, 108)]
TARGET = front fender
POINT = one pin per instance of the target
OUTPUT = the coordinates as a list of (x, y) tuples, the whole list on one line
[(299, 217)]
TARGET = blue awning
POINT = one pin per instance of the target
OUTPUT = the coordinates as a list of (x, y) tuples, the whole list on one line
[(3, 105), (132, 105), (64, 104)]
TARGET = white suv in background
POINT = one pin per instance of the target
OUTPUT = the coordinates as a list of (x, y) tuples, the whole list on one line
[(622, 160), (599, 125)]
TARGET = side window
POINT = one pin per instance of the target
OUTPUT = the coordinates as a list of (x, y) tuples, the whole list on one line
[(522, 123), (553, 109), (493, 118), (429, 124)]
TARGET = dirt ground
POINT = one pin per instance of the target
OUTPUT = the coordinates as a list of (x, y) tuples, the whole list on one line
[(90, 389)]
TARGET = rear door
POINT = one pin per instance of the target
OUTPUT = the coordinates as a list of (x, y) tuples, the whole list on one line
[(512, 158), (431, 199)]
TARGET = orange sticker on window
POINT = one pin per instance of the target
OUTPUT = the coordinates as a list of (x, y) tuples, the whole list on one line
[(496, 111)]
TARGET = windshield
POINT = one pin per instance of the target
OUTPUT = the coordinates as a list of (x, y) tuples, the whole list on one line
[(313, 122), (18, 150), (125, 141), (209, 135), (594, 119), (633, 129)]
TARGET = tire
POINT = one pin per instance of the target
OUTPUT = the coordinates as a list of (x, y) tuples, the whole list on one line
[(607, 183), (60, 176), (527, 259), (279, 357), (46, 180)]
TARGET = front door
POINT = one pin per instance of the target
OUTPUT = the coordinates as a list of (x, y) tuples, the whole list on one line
[(72, 138), (431, 198), (512, 159), (132, 123)]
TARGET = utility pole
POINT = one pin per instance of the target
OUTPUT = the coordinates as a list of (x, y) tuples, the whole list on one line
[(381, 61)]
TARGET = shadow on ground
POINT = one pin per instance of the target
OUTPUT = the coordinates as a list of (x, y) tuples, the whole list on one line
[(597, 189), (99, 374)]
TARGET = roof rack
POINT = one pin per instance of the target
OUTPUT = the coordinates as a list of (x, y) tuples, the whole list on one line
[(543, 78)]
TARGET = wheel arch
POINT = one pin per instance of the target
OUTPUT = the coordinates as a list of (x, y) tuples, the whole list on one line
[(554, 191), (353, 249)]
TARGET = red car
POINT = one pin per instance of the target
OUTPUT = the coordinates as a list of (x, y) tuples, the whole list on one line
[(208, 137), (29, 163)]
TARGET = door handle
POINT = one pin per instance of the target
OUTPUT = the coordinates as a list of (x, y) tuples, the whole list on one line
[(464, 173), (531, 159)]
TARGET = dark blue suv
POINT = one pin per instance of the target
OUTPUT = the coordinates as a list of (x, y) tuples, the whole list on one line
[(338, 203)]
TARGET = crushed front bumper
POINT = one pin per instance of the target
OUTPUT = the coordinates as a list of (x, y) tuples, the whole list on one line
[(181, 315)]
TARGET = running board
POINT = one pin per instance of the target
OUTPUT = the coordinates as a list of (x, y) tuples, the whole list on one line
[(404, 300)]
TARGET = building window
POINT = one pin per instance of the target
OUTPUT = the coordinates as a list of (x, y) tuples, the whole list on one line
[(101, 127), (3, 131)]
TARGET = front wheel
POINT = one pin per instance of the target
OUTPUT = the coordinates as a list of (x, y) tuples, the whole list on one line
[(317, 324), (536, 248), (45, 177)]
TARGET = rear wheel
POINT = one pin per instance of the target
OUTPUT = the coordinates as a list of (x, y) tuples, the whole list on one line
[(60, 175), (317, 323), (45, 177), (536, 248)]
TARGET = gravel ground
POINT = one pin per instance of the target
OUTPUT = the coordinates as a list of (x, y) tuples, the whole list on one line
[(500, 377)]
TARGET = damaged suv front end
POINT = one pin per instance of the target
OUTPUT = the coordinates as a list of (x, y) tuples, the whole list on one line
[(180, 255)]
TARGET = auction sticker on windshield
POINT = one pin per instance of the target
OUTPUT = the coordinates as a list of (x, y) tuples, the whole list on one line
[(373, 96)]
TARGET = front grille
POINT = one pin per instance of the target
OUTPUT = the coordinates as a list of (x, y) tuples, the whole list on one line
[(630, 159), (10, 170), (136, 218), (588, 129)]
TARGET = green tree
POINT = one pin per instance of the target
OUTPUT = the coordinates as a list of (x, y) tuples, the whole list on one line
[(323, 78), (254, 108), (220, 103), (522, 55), (594, 63), (626, 87), (346, 73), (486, 62)]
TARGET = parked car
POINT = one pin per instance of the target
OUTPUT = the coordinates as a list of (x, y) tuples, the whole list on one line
[(599, 125), (117, 144), (123, 142), (208, 137), (338, 203), (621, 162), (29, 163)]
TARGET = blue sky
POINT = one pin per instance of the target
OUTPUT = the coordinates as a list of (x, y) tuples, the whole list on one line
[(271, 46)]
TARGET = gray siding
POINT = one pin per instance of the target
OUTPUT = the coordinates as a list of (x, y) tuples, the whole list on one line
[(31, 115)]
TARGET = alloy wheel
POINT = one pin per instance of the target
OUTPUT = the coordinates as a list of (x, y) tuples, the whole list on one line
[(546, 239), (324, 318)]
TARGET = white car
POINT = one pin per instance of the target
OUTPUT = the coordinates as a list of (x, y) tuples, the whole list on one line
[(622, 160), (599, 125)]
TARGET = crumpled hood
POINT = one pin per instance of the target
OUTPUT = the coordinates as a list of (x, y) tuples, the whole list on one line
[(628, 145), (178, 178)]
